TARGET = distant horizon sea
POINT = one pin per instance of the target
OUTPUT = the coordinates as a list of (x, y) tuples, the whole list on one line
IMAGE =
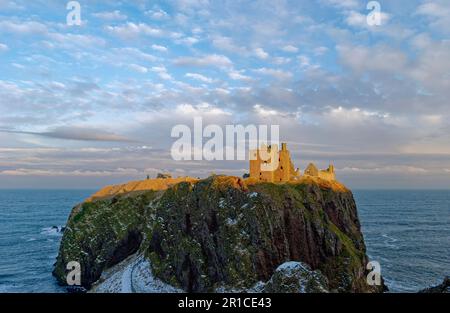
[(406, 231)]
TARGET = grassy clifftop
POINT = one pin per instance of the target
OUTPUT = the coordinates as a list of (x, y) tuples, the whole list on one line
[(220, 232)]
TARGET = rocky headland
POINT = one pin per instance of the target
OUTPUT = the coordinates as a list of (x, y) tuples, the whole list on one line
[(217, 234)]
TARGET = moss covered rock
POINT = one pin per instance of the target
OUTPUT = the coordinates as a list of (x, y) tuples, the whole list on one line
[(296, 277), (101, 234)]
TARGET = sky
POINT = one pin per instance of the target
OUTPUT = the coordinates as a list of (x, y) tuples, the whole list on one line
[(90, 105)]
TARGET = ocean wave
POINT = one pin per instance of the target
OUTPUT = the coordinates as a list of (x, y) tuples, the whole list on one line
[(52, 231), (390, 238), (390, 242), (8, 288)]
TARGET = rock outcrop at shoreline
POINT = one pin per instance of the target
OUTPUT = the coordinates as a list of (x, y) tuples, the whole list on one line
[(222, 233), (441, 288)]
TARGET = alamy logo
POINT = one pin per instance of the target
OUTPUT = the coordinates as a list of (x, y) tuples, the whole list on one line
[(374, 276), (74, 16), (225, 144), (374, 16), (73, 278)]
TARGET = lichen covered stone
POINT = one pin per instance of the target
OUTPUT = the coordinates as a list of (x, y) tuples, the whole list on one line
[(296, 277)]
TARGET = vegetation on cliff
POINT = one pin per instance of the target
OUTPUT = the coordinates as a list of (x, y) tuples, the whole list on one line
[(222, 233)]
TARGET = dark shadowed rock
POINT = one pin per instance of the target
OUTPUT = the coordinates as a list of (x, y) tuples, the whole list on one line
[(442, 288), (296, 277)]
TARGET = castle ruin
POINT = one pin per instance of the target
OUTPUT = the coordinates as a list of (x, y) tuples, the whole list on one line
[(285, 171), (327, 174)]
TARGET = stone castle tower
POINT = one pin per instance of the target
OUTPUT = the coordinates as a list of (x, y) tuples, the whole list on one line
[(285, 171)]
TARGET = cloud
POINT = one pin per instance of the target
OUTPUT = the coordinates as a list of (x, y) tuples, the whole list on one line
[(280, 60), (227, 44), (157, 14), (188, 5), (238, 75), (159, 48), (200, 77), (341, 3), (276, 73), (304, 61), (10, 5), (70, 41), (132, 30), (188, 41), (134, 53), (23, 28), (162, 72), (348, 117), (202, 109), (320, 50), (261, 54), (75, 133), (214, 60), (432, 64), (399, 169), (433, 9), (381, 90), (290, 49), (438, 14), (3, 47), (357, 19), (111, 15), (19, 66), (377, 58), (138, 68), (263, 111), (75, 173)]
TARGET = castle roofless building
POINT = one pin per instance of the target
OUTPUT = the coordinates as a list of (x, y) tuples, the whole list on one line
[(261, 170)]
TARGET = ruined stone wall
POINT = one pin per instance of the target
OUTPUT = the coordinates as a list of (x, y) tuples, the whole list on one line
[(327, 175), (285, 171)]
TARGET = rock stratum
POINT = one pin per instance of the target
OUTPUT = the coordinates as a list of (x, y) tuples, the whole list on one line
[(217, 234)]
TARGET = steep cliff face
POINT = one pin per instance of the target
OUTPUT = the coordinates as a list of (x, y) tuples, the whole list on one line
[(221, 233)]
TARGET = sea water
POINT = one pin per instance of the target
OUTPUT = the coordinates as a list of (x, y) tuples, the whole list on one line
[(28, 241), (407, 232)]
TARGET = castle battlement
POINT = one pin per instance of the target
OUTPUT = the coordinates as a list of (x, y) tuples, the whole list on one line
[(260, 159)]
